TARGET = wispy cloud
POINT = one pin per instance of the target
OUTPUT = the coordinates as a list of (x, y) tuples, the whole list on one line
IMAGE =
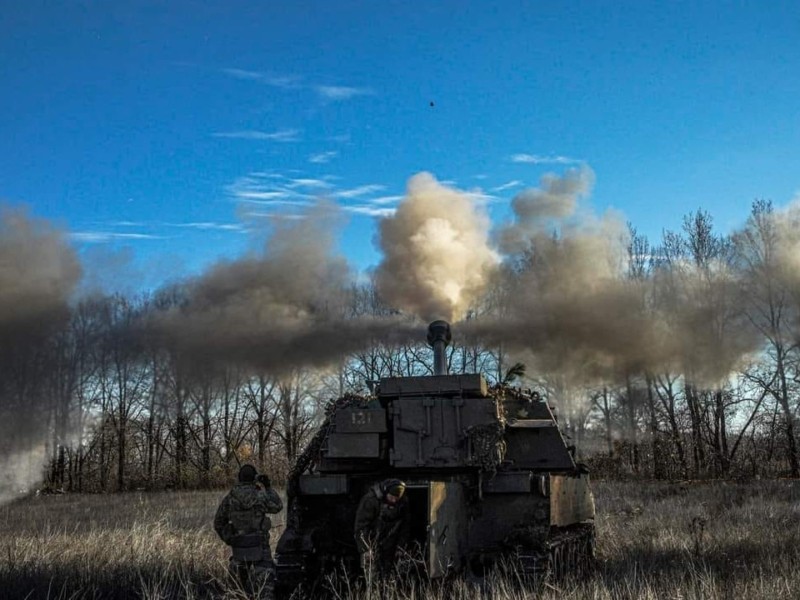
[(286, 82), (343, 138), (276, 190), (109, 236), (246, 194), (211, 226), (507, 186), (286, 216), (361, 190), (127, 224), (305, 182), (282, 135), (323, 157), (370, 211), (538, 159), (295, 82), (273, 193), (481, 197), (244, 74), (384, 200), (341, 92)]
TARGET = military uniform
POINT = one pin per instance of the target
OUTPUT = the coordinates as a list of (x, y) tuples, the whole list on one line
[(242, 523), (381, 527)]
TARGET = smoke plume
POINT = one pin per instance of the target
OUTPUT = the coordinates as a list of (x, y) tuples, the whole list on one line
[(569, 306), (437, 258), (536, 209), (38, 272), (283, 307), (578, 308)]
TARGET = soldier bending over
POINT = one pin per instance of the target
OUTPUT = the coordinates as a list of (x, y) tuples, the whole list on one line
[(383, 523), (242, 523)]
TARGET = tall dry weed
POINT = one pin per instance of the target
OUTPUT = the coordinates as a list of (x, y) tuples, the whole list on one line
[(654, 541)]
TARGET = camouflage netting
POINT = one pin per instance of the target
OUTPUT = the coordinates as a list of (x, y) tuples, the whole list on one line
[(488, 446), (510, 399), (311, 453)]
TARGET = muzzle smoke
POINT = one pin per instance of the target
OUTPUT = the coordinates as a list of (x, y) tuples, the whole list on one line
[(284, 307), (576, 308), (436, 254)]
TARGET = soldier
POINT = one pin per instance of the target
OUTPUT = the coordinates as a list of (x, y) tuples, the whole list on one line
[(242, 523), (382, 524)]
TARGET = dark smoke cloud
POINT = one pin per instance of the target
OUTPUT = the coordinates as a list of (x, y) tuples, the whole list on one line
[(284, 307), (570, 309), (38, 272), (573, 310)]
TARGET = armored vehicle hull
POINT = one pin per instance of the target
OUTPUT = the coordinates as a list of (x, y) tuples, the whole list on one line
[(489, 477)]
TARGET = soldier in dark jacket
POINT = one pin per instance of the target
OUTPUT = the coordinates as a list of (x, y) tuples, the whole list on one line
[(242, 523), (383, 523)]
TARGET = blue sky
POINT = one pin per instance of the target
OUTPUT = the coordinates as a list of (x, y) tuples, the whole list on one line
[(167, 129)]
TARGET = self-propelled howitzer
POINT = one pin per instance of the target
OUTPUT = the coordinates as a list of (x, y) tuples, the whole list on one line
[(488, 473)]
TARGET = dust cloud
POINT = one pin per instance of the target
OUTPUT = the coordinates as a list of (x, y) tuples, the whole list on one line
[(437, 258)]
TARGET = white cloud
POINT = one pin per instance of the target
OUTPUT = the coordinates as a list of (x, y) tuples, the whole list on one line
[(255, 214), (323, 157), (109, 236), (294, 82), (370, 211), (308, 183), (362, 190), (386, 200), (286, 82), (282, 135), (277, 202), (340, 92), (538, 159), (209, 225), (272, 194), (256, 195), (243, 74), (507, 186), (480, 197), (127, 224), (274, 189)]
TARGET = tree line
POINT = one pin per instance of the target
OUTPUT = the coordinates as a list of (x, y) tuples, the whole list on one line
[(115, 410)]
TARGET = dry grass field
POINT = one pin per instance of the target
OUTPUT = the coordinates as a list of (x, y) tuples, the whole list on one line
[(655, 541)]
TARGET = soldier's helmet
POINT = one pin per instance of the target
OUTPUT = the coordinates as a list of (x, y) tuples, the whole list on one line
[(395, 487), (247, 473)]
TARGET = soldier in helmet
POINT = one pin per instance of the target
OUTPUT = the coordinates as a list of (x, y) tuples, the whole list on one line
[(382, 524), (242, 523)]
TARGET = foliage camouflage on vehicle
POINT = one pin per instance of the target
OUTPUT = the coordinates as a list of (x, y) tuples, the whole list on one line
[(489, 478)]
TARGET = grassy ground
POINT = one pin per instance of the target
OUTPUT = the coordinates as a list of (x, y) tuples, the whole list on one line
[(655, 540)]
